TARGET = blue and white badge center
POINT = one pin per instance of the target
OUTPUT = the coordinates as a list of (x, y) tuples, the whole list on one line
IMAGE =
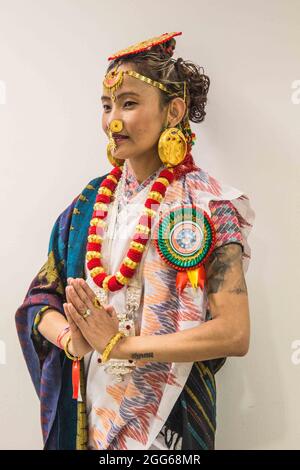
[(184, 238)]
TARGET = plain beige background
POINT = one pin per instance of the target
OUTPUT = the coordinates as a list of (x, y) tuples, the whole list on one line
[(53, 55)]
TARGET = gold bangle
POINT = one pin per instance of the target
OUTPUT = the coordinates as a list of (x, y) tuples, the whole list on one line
[(68, 354), (112, 342)]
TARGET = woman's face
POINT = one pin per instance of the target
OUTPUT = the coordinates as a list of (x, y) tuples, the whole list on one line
[(140, 113)]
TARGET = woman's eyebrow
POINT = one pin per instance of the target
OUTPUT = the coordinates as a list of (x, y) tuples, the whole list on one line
[(128, 93)]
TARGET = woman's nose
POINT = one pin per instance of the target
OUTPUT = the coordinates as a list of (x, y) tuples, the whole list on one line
[(115, 125)]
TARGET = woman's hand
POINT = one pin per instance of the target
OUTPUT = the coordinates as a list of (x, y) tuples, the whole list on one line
[(78, 345), (101, 325)]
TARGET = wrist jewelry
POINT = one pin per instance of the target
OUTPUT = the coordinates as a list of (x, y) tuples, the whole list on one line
[(112, 342), (61, 335), (75, 370), (68, 354)]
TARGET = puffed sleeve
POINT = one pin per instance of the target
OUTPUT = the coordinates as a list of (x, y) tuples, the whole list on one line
[(226, 223), (233, 221)]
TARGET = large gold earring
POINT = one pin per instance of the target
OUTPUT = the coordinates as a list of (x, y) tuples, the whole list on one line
[(172, 147)]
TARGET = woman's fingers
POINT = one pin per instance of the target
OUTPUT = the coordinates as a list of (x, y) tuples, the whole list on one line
[(86, 294), (72, 324), (77, 318), (67, 295), (84, 297), (84, 290), (71, 297), (79, 300), (88, 291)]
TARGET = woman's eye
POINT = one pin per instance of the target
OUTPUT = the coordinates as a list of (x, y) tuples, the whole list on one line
[(106, 107), (129, 102)]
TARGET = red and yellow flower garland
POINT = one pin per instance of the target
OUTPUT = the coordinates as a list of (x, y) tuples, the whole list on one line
[(137, 246)]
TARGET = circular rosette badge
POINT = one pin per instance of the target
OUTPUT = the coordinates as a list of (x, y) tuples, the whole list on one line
[(184, 237)]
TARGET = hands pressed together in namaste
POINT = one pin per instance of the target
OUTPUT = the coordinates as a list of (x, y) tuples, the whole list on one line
[(95, 330)]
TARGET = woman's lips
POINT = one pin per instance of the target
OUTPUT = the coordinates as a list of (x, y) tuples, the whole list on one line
[(120, 139)]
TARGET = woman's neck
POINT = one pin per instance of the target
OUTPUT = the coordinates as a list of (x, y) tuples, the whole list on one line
[(143, 167)]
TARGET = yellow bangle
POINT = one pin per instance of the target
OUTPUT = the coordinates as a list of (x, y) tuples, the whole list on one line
[(37, 320), (112, 342), (68, 354)]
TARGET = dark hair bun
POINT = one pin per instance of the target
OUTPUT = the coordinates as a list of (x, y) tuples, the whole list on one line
[(197, 85)]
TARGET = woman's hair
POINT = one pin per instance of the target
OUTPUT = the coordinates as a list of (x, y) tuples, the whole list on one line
[(159, 65)]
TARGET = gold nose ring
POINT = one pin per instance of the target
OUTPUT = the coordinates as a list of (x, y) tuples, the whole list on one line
[(116, 125)]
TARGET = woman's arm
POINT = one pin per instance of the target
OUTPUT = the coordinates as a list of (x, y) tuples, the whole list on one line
[(227, 334), (51, 325)]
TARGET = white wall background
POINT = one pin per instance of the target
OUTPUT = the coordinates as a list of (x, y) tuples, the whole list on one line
[(53, 55)]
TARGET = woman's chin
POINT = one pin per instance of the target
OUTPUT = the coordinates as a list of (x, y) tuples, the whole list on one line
[(121, 153)]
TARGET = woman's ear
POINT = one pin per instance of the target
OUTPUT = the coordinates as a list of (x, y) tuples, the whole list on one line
[(177, 109)]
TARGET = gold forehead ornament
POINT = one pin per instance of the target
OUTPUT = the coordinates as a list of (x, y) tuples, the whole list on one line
[(114, 78)]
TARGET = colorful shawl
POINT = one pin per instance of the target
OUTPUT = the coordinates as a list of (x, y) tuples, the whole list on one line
[(192, 418)]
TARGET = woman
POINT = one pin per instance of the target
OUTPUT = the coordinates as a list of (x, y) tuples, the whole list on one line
[(143, 294)]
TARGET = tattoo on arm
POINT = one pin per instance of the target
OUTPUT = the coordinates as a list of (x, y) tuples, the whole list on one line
[(224, 270), (141, 356)]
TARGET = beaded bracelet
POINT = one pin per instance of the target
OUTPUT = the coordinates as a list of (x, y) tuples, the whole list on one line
[(112, 342), (68, 354)]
